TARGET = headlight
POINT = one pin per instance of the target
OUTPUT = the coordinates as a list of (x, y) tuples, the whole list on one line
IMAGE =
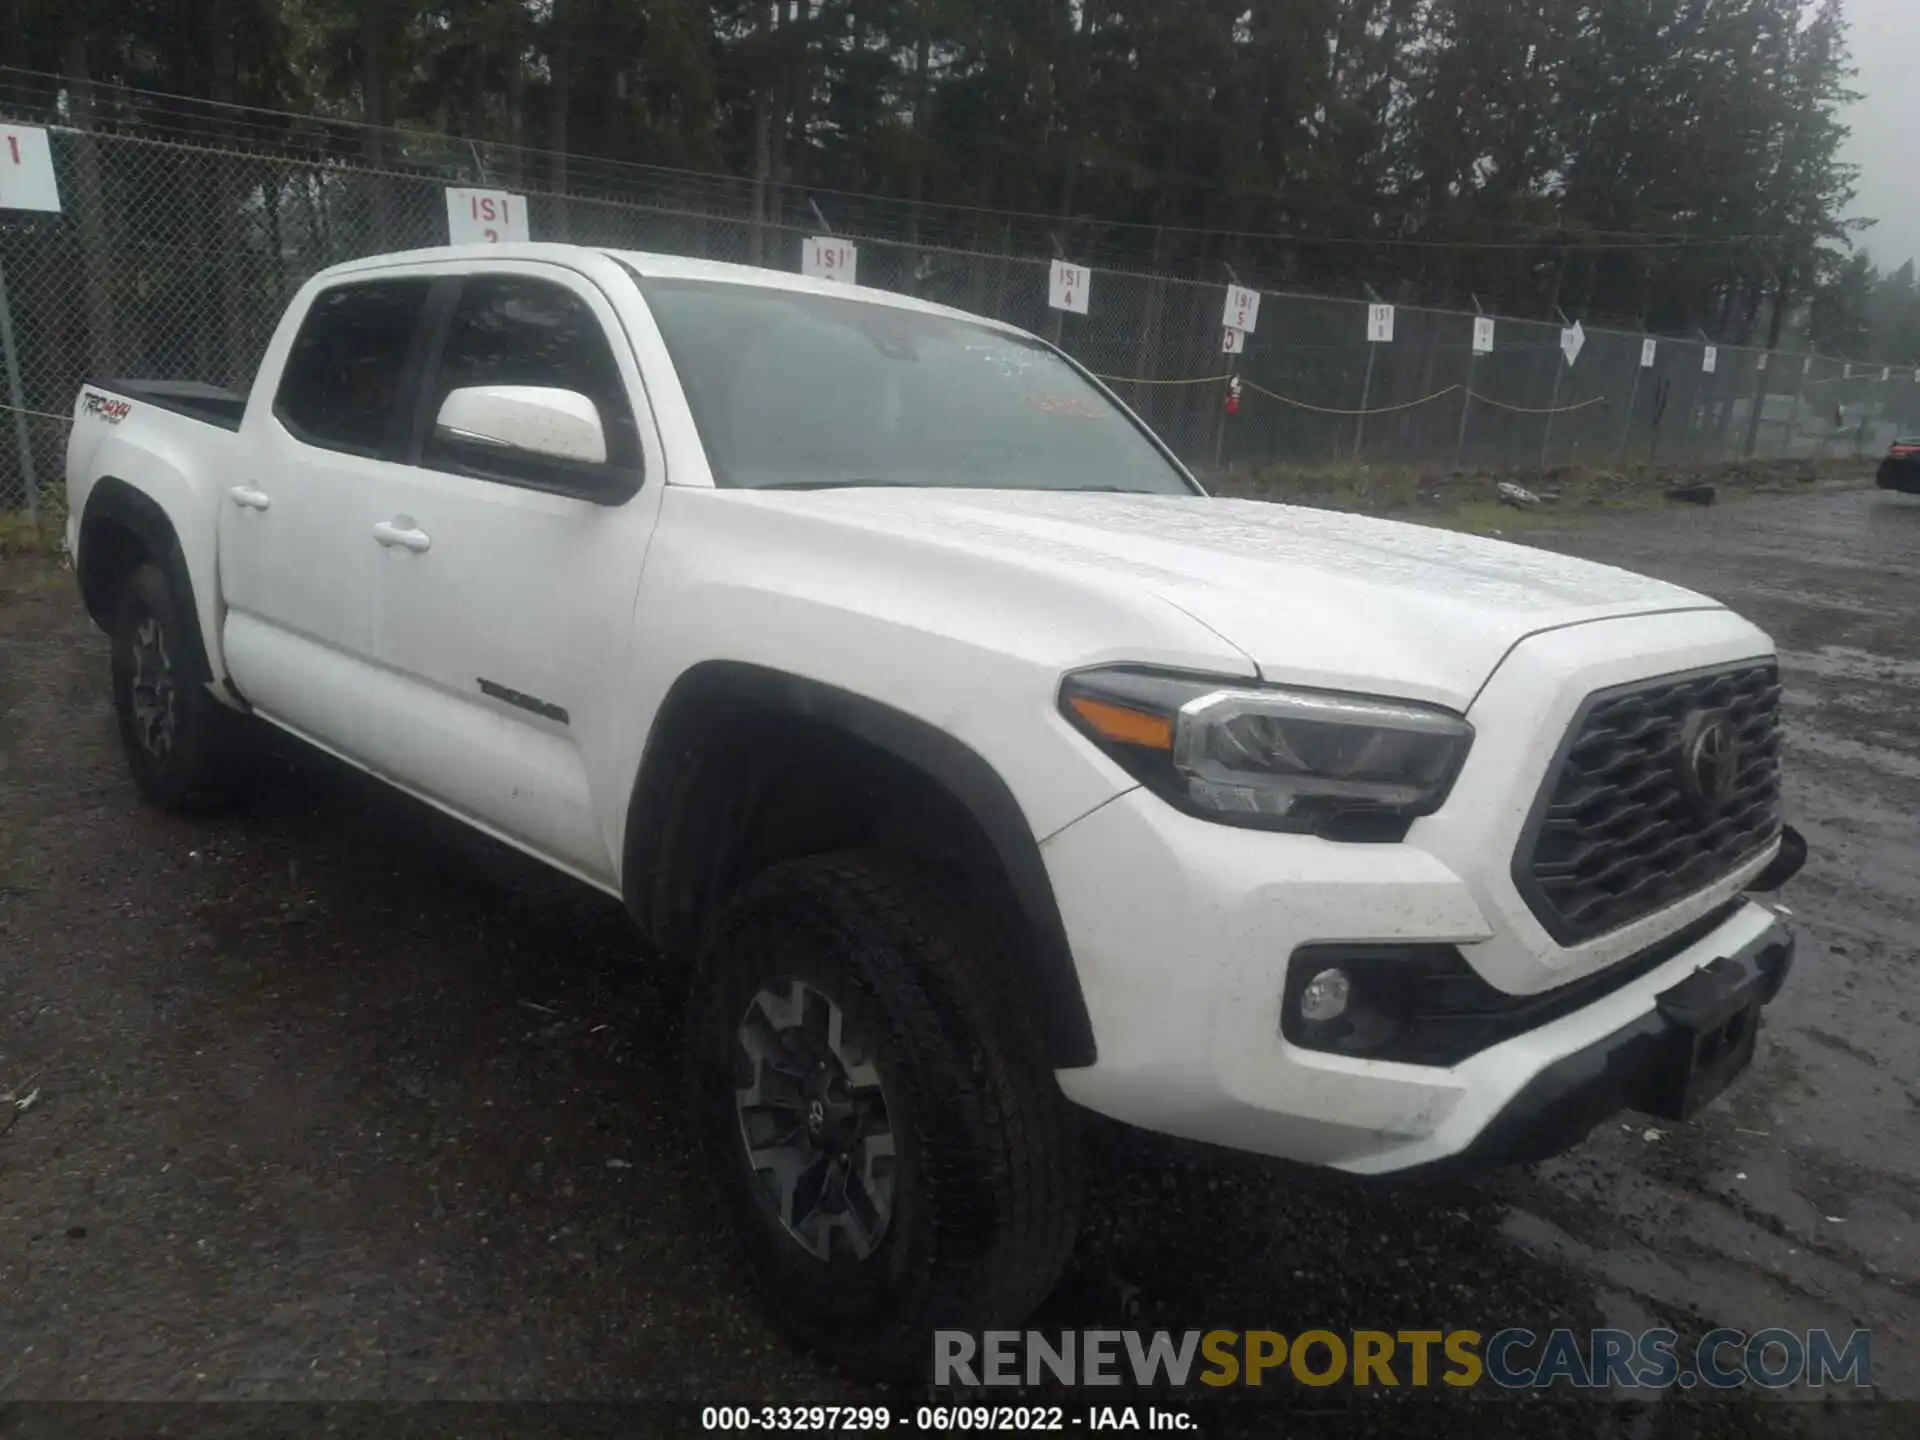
[(1346, 766)]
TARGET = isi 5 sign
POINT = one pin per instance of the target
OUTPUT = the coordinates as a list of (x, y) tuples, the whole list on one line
[(1243, 308), (486, 217), (26, 170), (827, 258)]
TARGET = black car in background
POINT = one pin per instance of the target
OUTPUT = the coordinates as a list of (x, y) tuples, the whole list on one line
[(1901, 469)]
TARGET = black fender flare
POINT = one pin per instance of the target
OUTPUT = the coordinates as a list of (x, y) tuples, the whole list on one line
[(955, 768), (115, 502)]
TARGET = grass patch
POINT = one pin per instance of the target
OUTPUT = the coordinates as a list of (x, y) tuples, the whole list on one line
[(21, 536)]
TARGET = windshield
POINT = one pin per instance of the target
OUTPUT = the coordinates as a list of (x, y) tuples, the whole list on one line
[(792, 391)]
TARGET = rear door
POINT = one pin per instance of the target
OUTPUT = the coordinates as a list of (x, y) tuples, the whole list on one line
[(296, 553), (507, 620)]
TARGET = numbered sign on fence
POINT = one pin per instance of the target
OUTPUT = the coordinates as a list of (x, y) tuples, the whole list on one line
[(1232, 341), (1846, 372), (1710, 359), (1067, 286), (828, 257), (1886, 373), (1760, 361), (485, 217), (1483, 334), (1380, 324), (1243, 308), (26, 170), (1806, 365), (1648, 349), (1573, 340)]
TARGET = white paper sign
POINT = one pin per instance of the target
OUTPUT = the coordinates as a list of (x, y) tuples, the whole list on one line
[(1886, 373), (1572, 340), (1648, 349), (1710, 359), (26, 170), (1067, 286), (827, 257), (1483, 334), (1243, 308), (476, 217), (1761, 362), (1380, 324), (1847, 373), (1232, 341), (1806, 365)]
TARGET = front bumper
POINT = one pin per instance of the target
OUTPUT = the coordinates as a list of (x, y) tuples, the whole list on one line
[(1183, 931), (1668, 1063)]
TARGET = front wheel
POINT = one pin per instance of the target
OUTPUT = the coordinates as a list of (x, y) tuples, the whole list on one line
[(179, 741), (885, 1135)]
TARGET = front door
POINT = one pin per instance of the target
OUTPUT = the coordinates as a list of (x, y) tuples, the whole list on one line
[(506, 611)]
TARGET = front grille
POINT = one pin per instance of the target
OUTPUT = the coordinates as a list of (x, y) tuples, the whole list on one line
[(1619, 830)]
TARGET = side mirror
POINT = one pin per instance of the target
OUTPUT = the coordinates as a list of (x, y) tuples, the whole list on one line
[(499, 423)]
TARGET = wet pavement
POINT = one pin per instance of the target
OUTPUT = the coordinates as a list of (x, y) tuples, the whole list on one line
[(337, 1103)]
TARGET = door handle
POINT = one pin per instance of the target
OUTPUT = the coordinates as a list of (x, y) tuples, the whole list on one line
[(248, 498), (401, 531)]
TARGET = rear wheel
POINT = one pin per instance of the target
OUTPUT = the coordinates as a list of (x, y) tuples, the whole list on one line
[(179, 741), (885, 1135)]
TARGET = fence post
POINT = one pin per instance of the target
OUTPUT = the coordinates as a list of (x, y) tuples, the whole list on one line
[(1366, 399), (16, 397), (1633, 395), (1793, 416), (1763, 368), (1366, 383), (1466, 400), (1559, 374)]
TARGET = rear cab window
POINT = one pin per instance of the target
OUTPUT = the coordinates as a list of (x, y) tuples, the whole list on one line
[(343, 384)]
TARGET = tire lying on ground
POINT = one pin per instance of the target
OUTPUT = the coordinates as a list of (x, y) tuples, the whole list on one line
[(886, 1139)]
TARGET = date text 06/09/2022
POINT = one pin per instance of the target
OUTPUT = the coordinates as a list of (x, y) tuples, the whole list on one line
[(943, 1419)]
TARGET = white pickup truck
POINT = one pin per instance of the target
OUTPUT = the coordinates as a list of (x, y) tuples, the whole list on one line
[(980, 766)]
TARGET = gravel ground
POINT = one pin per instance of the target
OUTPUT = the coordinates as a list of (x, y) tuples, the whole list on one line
[(338, 1104)]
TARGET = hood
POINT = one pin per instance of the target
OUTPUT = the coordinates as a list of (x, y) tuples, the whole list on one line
[(1312, 597)]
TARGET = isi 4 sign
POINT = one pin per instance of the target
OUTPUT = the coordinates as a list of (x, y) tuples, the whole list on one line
[(1068, 285), (485, 217)]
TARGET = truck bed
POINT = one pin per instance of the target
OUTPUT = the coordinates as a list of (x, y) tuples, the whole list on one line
[(208, 403)]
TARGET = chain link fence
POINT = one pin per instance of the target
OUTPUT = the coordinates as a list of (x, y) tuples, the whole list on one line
[(175, 254)]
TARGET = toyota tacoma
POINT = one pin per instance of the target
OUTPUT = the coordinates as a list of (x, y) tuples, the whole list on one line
[(979, 767)]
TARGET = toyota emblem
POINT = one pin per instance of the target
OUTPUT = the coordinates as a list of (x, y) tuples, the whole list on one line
[(1709, 762)]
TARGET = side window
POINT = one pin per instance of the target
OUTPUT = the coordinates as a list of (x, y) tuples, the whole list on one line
[(514, 330), (341, 387)]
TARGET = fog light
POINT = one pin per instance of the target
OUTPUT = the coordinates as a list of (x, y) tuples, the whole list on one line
[(1325, 997)]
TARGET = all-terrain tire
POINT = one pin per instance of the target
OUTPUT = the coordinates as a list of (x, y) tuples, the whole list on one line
[(988, 1178), (185, 749)]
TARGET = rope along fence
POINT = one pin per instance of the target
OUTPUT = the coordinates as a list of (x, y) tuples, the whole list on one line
[(173, 255)]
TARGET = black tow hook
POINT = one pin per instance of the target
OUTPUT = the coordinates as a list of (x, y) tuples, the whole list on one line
[(1785, 865)]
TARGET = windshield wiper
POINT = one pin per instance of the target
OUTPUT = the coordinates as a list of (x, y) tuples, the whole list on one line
[(852, 482)]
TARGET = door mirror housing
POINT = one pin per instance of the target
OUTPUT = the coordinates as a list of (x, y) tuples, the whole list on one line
[(535, 421)]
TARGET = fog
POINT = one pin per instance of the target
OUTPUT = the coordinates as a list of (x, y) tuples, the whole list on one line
[(1885, 40)]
